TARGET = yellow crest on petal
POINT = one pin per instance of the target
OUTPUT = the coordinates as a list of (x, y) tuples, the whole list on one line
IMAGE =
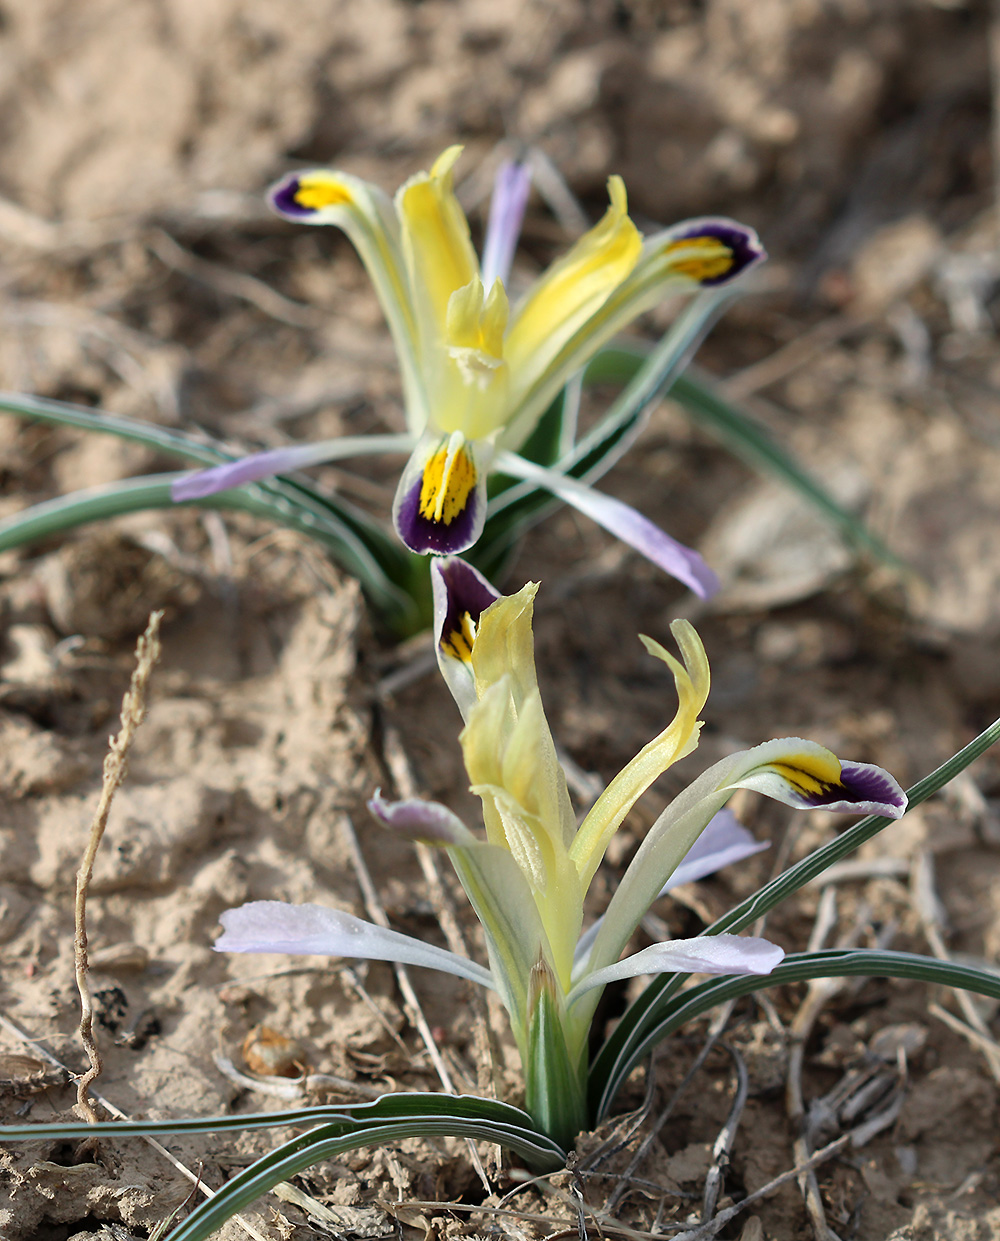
[(700, 258), (449, 478), (811, 774), (317, 190)]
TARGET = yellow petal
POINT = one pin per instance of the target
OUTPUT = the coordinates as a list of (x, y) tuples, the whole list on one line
[(573, 289), (678, 739), (436, 243)]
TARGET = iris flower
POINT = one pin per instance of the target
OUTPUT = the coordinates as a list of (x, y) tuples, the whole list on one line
[(478, 372), (528, 878)]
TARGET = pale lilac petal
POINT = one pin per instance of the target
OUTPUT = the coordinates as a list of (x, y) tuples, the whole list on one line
[(723, 842), (621, 520), (705, 954), (259, 465), (510, 200), (274, 926), (426, 821)]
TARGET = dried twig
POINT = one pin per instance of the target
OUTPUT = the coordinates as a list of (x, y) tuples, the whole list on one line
[(233, 283), (931, 913), (727, 1136), (115, 766), (714, 1031)]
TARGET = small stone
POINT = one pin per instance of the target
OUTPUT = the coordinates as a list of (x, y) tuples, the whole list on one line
[(269, 1053), (120, 959)]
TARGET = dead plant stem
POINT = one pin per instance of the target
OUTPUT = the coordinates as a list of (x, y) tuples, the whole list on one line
[(115, 767)]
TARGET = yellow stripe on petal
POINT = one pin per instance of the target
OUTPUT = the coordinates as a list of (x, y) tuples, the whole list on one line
[(459, 638), (811, 774), (316, 190), (449, 479), (700, 258)]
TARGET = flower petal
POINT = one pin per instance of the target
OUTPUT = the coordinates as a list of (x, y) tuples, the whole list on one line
[(440, 503), (723, 842), (623, 521), (274, 926), (678, 739), (496, 887), (705, 954), (510, 200), (258, 465), (461, 596), (797, 772), (708, 251), (573, 289), (426, 821), (366, 215), (809, 776), (436, 243), (694, 254)]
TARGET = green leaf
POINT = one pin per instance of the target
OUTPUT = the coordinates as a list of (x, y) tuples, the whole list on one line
[(618, 1056), (359, 544), (554, 1086), (152, 491), (339, 1129), (673, 1011), (745, 438)]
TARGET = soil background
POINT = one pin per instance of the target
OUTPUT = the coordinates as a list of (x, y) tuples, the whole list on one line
[(141, 273)]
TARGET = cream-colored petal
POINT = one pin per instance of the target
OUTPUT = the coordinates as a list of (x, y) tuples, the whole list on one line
[(366, 214)]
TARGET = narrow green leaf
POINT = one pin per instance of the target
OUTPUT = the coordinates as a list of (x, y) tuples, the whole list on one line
[(152, 491), (395, 1116), (617, 1057), (554, 1085), (672, 1012), (360, 544), (745, 438)]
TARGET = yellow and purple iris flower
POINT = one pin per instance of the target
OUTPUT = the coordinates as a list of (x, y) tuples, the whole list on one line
[(527, 878), (477, 371)]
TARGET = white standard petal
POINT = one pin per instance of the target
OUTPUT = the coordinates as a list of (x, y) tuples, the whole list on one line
[(274, 926), (705, 954)]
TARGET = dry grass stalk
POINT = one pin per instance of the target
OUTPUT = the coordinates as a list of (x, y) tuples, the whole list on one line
[(115, 767)]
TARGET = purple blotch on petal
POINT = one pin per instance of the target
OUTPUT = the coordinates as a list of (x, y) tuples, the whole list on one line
[(281, 198), (868, 785), (422, 535), (466, 593), (743, 241)]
